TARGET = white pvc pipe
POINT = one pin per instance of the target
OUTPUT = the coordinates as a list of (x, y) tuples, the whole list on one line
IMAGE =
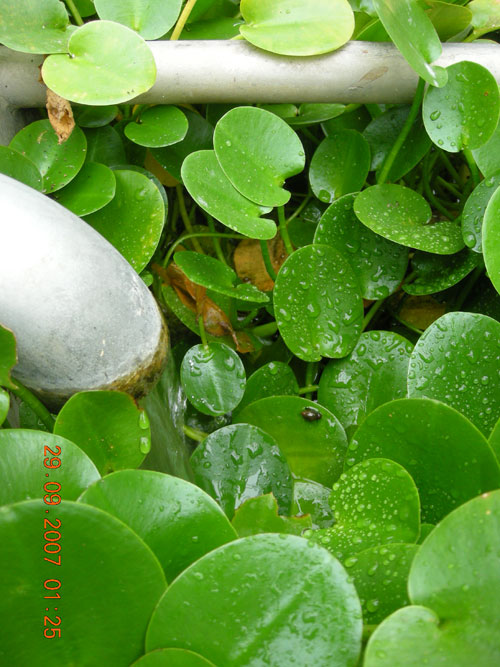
[(237, 72)]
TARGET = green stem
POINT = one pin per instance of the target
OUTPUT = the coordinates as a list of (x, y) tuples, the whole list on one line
[(471, 281), (267, 260), (449, 166), (311, 369), (310, 136), (474, 171), (373, 311), (448, 186), (185, 217), (284, 230), (180, 240), (248, 319), (435, 201), (407, 324), (194, 433), (299, 209), (76, 14), (181, 21), (263, 330), (203, 334), (216, 240), (309, 389), (35, 404), (415, 108)]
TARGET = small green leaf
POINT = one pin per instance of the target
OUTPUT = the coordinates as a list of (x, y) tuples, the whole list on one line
[(4, 405), (107, 64), (374, 373), (318, 306), (57, 163), (172, 657), (412, 32), (95, 116), (150, 18), (403, 216), (485, 16), (93, 187), (134, 219), (379, 264), (33, 26), (213, 378), (457, 361), (160, 126), (314, 448), (16, 165), (241, 461), (435, 273), (374, 503), (339, 165), (244, 584), (448, 19), (294, 28), (213, 191), (260, 515), (305, 114), (312, 498), (474, 210), (25, 465), (464, 113), (8, 357), (105, 146), (446, 455), (108, 426), (176, 519), (273, 379), (487, 156), (491, 239), (267, 147)]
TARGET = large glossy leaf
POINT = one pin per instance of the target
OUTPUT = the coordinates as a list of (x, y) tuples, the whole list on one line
[(402, 215), (317, 303), (18, 166), (379, 264), (8, 357), (374, 373), (296, 28), (27, 464), (491, 239), (374, 503), (107, 64), (108, 426), (258, 151), (380, 575), (214, 192), (173, 657), (457, 361), (454, 580), (435, 273), (176, 519), (57, 163), (464, 113), (273, 379), (260, 515), (33, 26), (133, 220), (150, 18), (239, 462), (93, 187), (474, 210), (98, 553), (448, 458), (412, 32), (339, 165), (494, 439), (244, 584), (159, 126), (487, 156), (311, 438), (311, 498)]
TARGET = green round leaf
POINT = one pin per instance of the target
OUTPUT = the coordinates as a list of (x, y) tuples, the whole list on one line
[(374, 373), (172, 657), (374, 503), (150, 18), (311, 438), (8, 357), (380, 575), (318, 306), (412, 32), (311, 498), (457, 361), (448, 458), (379, 264), (487, 156), (176, 519), (33, 26), (4, 405), (162, 125), (212, 190), (485, 16), (474, 210), (491, 239), (305, 114), (239, 462), (266, 146), (92, 188), (107, 64), (18, 166), (213, 274), (98, 553), (294, 28), (339, 165), (449, 20), (464, 113), (134, 219), (57, 163), (273, 379), (95, 116), (105, 146), (108, 426), (455, 577), (403, 216), (260, 515), (435, 273), (243, 585), (213, 378), (25, 461)]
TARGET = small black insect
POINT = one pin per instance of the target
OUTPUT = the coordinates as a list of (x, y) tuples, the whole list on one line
[(311, 415)]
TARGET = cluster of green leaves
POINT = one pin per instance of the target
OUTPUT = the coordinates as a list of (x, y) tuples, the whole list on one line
[(319, 462)]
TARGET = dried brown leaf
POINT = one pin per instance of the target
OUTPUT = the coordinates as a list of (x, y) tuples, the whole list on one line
[(60, 115), (249, 264)]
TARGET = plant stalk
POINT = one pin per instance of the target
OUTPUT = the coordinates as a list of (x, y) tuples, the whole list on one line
[(35, 404), (181, 21), (76, 14)]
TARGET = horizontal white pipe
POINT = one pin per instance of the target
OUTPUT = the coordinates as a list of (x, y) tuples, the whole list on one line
[(237, 72)]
